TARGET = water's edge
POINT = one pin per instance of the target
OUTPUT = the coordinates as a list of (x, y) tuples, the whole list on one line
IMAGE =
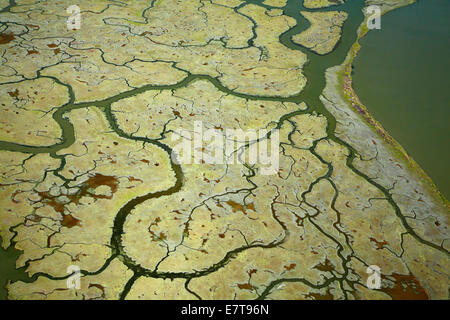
[(345, 76)]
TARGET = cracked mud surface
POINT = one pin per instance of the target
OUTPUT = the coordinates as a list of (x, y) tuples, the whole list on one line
[(88, 119)]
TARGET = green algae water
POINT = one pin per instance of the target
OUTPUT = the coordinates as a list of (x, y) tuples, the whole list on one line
[(401, 75), (8, 269)]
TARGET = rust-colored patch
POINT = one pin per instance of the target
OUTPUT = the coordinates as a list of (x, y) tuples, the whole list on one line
[(162, 236), (6, 37), (245, 286), (251, 271), (93, 182), (236, 206), (98, 286), (320, 296), (324, 266), (186, 229), (177, 114), (77, 257), (153, 235), (69, 221), (30, 52), (50, 200), (379, 244), (406, 287), (239, 207), (299, 221), (34, 218), (98, 180), (290, 267), (250, 206), (132, 179), (14, 94), (33, 26)]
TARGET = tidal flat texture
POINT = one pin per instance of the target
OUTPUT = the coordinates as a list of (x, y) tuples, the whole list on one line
[(89, 122)]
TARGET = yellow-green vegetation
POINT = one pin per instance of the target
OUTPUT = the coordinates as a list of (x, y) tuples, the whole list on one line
[(87, 178), (314, 4), (324, 32), (26, 111), (275, 3)]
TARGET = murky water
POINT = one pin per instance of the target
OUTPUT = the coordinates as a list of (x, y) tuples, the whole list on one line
[(8, 269), (402, 77)]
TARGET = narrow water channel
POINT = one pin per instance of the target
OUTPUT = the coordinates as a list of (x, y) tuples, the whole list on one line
[(314, 72), (401, 74)]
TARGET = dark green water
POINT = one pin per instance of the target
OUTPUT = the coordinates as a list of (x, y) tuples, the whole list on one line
[(402, 75), (8, 269)]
